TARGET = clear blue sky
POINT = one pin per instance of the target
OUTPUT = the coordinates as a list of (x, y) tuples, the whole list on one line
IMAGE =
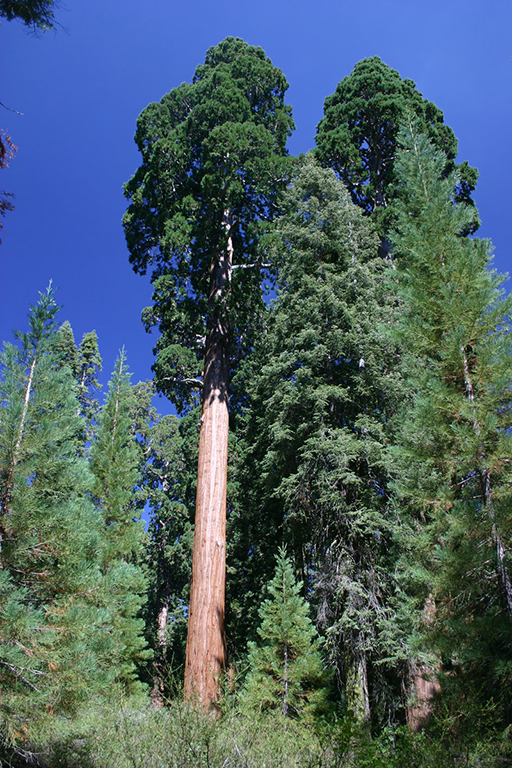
[(82, 87)]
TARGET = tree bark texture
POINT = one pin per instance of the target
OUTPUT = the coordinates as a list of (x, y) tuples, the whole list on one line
[(358, 692), (424, 685), (206, 649), (157, 693)]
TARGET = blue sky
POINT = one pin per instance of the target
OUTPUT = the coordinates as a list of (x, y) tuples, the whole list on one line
[(82, 87)]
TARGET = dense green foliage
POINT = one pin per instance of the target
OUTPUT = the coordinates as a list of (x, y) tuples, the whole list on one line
[(313, 469), (115, 466), (56, 644), (369, 610), (285, 666), (455, 446), (213, 162), (357, 137)]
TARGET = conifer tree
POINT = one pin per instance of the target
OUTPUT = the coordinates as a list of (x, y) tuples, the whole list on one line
[(214, 161), (313, 472), (168, 447), (455, 442), (85, 364), (285, 667), (357, 138), (89, 367), (115, 465), (65, 347), (55, 641)]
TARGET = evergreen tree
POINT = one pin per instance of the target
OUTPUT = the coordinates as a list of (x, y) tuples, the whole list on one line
[(313, 472), (89, 367), (168, 446), (85, 365), (455, 442), (115, 465), (357, 138), (55, 643), (213, 165), (65, 347), (285, 667)]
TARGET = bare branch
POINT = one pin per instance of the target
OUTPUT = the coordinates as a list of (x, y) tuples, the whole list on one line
[(192, 383)]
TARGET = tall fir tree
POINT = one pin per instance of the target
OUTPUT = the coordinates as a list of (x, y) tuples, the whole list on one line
[(89, 368), (116, 468), (66, 349), (313, 472), (455, 443), (85, 364), (55, 639)]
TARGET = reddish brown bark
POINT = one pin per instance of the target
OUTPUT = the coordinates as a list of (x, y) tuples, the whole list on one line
[(423, 682), (424, 686), (206, 649)]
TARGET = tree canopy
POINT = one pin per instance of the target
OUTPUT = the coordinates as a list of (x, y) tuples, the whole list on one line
[(213, 162), (36, 14), (357, 136)]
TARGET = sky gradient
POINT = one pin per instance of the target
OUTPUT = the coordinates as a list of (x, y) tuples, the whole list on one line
[(81, 88)]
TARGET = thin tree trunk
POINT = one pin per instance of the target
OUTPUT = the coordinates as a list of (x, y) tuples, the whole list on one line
[(206, 649), (284, 710), (157, 694), (5, 498)]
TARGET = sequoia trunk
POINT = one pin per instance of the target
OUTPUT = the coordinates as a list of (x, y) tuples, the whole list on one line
[(206, 650)]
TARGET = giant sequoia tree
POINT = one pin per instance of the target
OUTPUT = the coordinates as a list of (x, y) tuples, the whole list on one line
[(357, 136), (213, 163)]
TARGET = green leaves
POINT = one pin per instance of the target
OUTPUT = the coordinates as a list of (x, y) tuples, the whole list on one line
[(37, 14), (322, 386), (54, 639)]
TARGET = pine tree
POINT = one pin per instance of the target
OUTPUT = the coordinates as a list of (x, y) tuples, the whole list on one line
[(115, 465), (313, 471), (455, 445), (285, 667), (55, 642)]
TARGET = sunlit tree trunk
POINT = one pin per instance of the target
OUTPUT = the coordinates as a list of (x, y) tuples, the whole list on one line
[(157, 693), (206, 649)]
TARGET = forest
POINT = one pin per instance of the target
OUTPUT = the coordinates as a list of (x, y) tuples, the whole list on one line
[(324, 575)]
